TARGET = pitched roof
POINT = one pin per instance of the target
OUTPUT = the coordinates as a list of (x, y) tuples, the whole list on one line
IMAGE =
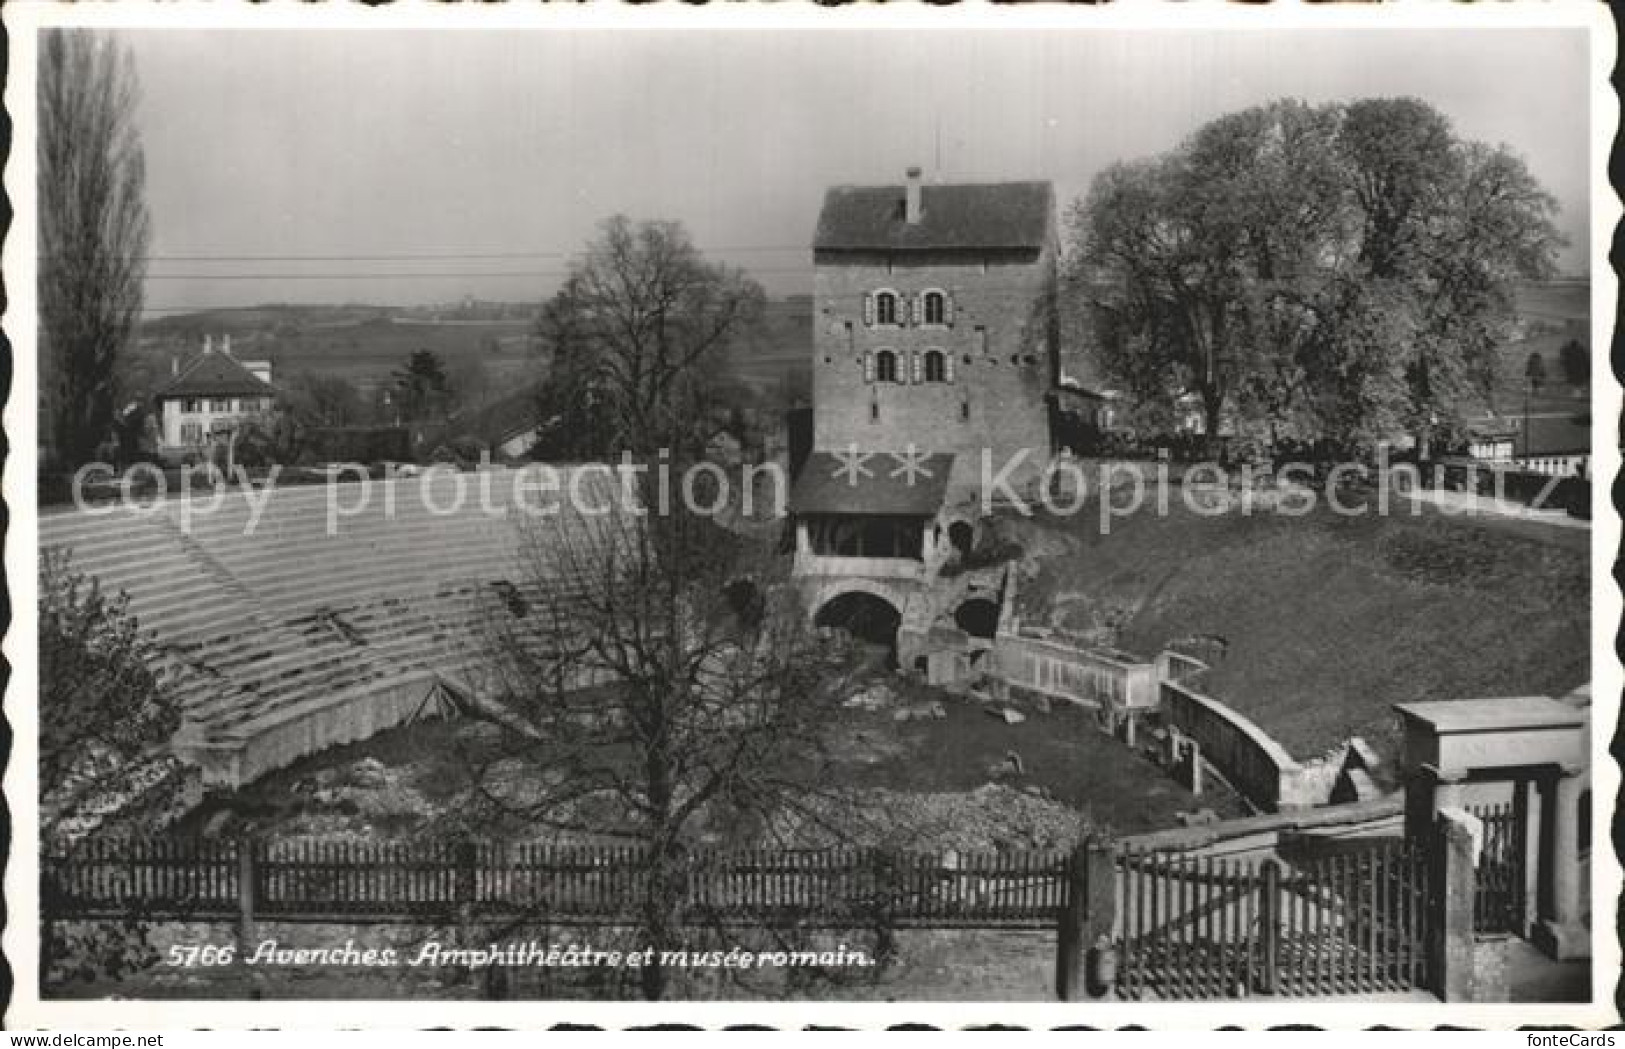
[(883, 485), (215, 375), (971, 215), (493, 422)]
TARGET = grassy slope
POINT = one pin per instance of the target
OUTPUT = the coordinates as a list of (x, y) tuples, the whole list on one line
[(1330, 620)]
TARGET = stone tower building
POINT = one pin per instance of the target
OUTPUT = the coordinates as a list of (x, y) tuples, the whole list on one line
[(935, 325)]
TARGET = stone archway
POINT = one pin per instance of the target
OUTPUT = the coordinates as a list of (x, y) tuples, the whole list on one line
[(868, 617), (978, 617)]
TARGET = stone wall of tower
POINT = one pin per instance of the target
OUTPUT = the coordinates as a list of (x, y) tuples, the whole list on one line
[(1001, 335)]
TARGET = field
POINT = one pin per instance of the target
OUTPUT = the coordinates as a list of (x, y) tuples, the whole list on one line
[(360, 344), (1316, 625), (1552, 314), (364, 344)]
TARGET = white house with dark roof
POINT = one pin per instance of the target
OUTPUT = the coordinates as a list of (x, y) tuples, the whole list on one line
[(208, 396), (1558, 444)]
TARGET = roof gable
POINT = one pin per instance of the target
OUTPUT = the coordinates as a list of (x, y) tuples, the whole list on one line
[(987, 216), (216, 375)]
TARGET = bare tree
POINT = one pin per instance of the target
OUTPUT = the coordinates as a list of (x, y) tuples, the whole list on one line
[(93, 230), (663, 675), (659, 668), (639, 331)]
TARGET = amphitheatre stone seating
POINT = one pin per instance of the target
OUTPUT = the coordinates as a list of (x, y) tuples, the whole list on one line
[(294, 637)]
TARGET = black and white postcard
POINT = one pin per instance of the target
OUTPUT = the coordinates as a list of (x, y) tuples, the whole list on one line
[(811, 515)]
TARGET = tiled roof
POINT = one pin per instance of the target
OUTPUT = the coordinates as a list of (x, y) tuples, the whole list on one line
[(216, 375), (883, 485), (976, 215)]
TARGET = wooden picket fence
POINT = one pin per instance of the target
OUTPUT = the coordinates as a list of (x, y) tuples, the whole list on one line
[(346, 881), (1201, 927), (1185, 927)]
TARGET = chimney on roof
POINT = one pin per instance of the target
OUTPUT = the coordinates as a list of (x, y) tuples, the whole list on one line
[(174, 365), (911, 205), (225, 344), (208, 343)]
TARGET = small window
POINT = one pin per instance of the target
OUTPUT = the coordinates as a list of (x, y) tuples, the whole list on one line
[(191, 433), (192, 404), (874, 412), (964, 409), (220, 404), (936, 369), (935, 308), (885, 366), (886, 308)]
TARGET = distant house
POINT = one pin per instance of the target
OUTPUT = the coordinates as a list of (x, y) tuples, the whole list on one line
[(1559, 445), (1491, 442), (209, 396), (510, 426)]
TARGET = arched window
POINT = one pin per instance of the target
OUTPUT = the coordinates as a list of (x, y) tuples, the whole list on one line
[(886, 308), (885, 366), (936, 308), (936, 369)]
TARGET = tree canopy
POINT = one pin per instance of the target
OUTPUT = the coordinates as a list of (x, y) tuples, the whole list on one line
[(1575, 361), (637, 334), (93, 232), (1336, 274), (422, 386)]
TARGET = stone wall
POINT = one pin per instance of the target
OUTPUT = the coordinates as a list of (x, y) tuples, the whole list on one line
[(1244, 754), (1080, 675), (230, 760), (1001, 339)]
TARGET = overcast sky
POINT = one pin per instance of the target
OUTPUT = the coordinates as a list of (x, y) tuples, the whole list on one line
[(514, 144)]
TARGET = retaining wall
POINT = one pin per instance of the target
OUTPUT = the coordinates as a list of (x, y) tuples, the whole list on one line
[(1085, 676), (1244, 754)]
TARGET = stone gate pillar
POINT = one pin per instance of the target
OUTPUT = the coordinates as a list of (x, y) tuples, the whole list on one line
[(1561, 931), (1452, 747)]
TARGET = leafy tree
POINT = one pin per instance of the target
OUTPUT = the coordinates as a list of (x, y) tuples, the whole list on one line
[(326, 400), (422, 386), (1575, 360), (105, 727), (101, 709), (1335, 274), (1191, 263), (93, 231)]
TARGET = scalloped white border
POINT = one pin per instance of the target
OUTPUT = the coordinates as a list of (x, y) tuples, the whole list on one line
[(21, 877)]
